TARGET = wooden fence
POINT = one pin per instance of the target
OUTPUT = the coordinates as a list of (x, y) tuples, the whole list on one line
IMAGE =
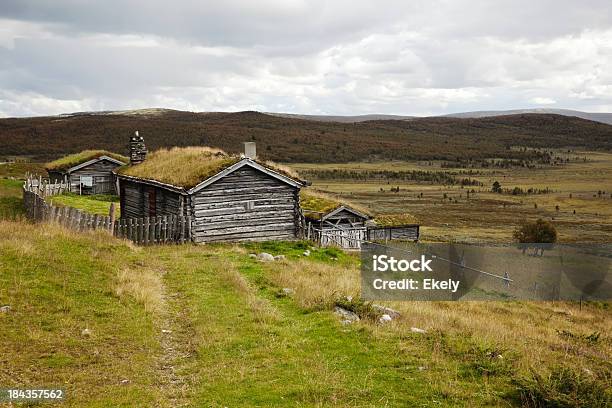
[(144, 231), (352, 238)]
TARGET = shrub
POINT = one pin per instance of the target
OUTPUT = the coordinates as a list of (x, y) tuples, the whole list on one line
[(563, 387), (540, 231)]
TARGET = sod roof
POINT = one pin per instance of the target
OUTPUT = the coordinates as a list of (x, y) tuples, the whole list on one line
[(316, 204), (186, 167), (387, 220), (67, 162)]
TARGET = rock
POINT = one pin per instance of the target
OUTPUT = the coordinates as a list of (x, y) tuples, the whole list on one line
[(346, 314), (265, 257), (344, 322), (125, 381), (306, 252), (5, 309), (252, 255), (85, 332), (394, 314), (385, 318), (166, 331), (288, 291), (417, 330), (279, 257), (349, 298), (422, 368)]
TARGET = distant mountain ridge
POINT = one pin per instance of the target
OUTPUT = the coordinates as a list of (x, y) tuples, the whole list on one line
[(291, 139), (602, 117), (341, 118)]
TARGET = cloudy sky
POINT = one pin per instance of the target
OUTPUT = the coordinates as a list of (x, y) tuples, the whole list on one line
[(311, 57)]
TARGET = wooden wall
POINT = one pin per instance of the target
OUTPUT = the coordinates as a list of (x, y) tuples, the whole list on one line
[(140, 200), (246, 205), (103, 178)]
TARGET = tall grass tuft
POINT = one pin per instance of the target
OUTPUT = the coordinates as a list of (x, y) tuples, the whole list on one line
[(564, 387), (144, 286)]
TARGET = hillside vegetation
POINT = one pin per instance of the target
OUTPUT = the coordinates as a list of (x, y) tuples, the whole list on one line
[(297, 140)]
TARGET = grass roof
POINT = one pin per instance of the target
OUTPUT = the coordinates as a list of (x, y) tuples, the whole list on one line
[(315, 204), (75, 159), (181, 166), (187, 167), (387, 220)]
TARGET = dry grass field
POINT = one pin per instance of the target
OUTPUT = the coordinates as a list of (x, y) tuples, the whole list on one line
[(447, 213)]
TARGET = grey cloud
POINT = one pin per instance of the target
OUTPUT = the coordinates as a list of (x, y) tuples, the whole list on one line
[(342, 57)]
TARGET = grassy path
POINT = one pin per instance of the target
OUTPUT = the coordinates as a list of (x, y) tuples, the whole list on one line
[(252, 346)]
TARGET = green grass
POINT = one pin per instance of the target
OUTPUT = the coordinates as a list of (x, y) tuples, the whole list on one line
[(58, 284), (94, 204), (72, 160), (11, 205)]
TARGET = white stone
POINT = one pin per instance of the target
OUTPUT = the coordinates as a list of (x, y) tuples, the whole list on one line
[(385, 318), (306, 252), (417, 330), (288, 291), (386, 310), (346, 314), (5, 309), (86, 332), (279, 257), (265, 257)]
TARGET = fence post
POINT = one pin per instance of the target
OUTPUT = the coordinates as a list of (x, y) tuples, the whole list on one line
[(146, 231), (111, 214)]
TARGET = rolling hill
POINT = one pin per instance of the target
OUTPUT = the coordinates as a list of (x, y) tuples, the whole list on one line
[(299, 140), (603, 117)]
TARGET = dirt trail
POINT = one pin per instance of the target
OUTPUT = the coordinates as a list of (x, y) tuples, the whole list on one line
[(177, 352)]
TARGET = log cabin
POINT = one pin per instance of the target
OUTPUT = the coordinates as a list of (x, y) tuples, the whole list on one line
[(333, 222), (224, 197), (87, 172)]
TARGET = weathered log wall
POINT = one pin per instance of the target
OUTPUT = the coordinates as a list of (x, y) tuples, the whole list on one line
[(103, 178), (246, 205), (140, 200), (401, 232)]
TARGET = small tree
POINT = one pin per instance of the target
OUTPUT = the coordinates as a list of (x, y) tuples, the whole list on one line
[(497, 188), (541, 233)]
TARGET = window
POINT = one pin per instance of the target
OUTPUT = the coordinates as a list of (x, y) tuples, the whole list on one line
[(87, 181)]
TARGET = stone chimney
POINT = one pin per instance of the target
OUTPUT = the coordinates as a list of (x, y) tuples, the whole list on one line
[(249, 150), (138, 150)]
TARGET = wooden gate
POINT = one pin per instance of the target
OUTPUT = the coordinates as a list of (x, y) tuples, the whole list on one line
[(346, 238)]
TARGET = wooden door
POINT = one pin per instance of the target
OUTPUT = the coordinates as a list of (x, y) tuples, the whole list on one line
[(152, 202)]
